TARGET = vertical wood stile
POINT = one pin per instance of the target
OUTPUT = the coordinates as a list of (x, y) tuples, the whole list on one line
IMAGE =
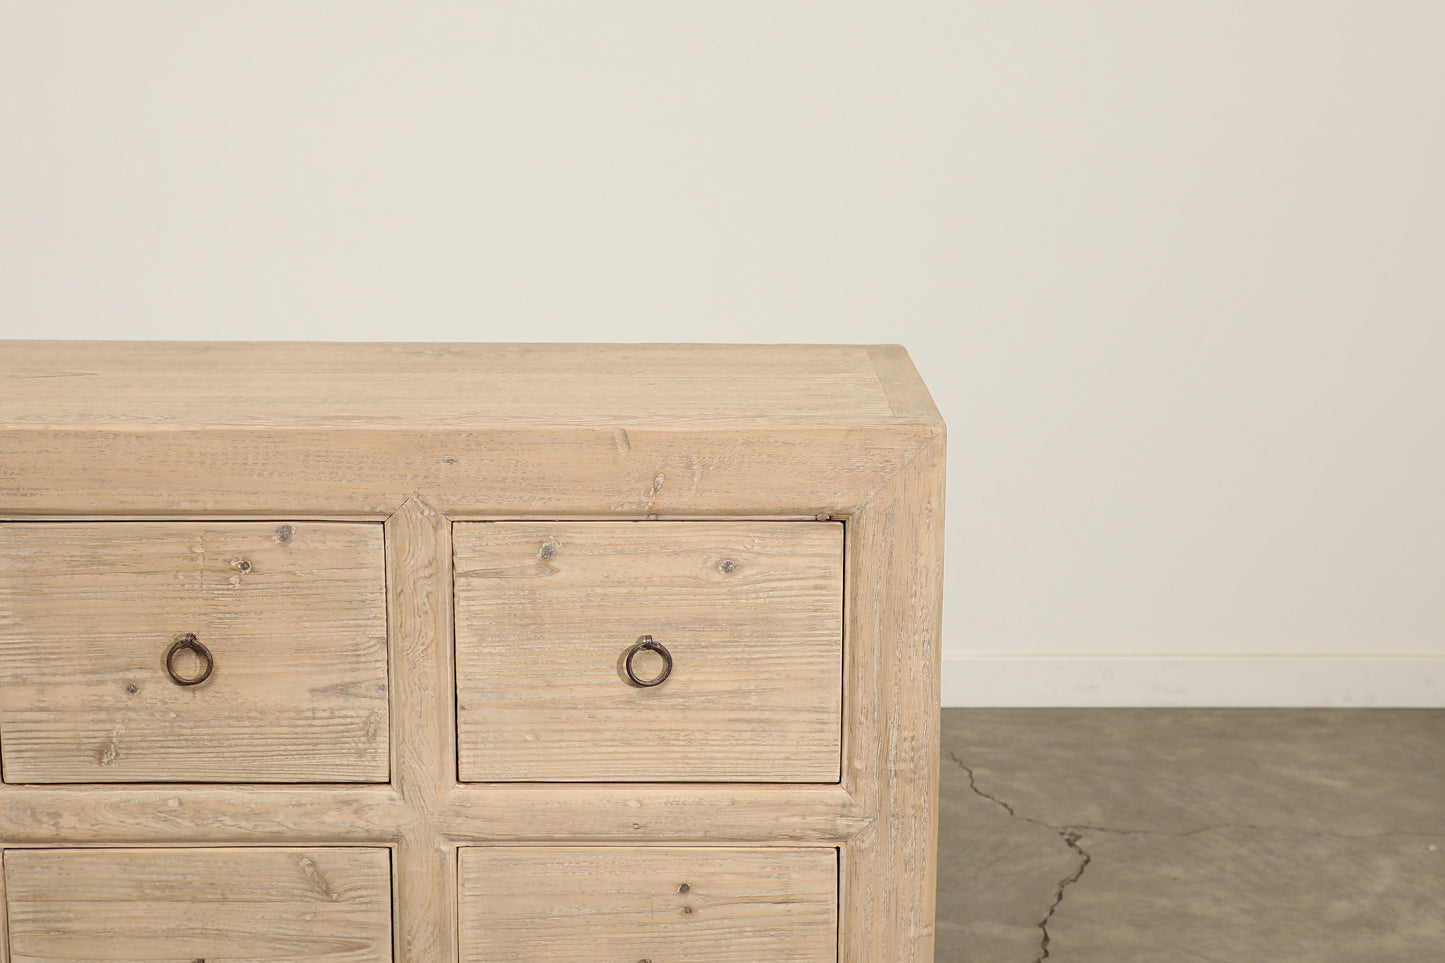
[(4, 915), (896, 564), (419, 588)]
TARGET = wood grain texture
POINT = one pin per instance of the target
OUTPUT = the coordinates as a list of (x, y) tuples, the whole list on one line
[(891, 765), (686, 812), (751, 613), (4, 915), (608, 904), (124, 384), (418, 541), (419, 568), (907, 395), (292, 612), (357, 429), (301, 904), (84, 815), (426, 888), (599, 472), (364, 433)]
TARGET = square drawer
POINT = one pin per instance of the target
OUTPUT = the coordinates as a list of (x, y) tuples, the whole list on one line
[(544, 904), (95, 618), (749, 615), (275, 905)]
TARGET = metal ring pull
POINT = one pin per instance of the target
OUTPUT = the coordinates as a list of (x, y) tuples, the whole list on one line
[(646, 643), (189, 641)]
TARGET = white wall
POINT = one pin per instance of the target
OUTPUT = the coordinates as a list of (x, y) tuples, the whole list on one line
[(1174, 270)]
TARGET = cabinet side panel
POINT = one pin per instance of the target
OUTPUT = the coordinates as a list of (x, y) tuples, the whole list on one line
[(895, 569)]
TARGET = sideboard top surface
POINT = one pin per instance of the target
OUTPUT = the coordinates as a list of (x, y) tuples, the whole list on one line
[(151, 385)]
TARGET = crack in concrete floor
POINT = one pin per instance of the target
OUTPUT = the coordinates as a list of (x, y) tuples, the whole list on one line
[(1073, 834), (1343, 866), (1081, 828), (1069, 834), (1072, 839)]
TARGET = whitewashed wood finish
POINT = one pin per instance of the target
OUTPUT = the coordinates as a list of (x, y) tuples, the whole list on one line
[(599, 472), (199, 814), (909, 402), (891, 763), (718, 813), (419, 574), (84, 815), (4, 915), (276, 905), (751, 613), (418, 387), (287, 429), (299, 455), (292, 612), (606, 904)]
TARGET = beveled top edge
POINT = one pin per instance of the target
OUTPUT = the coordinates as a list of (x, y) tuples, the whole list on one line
[(179, 385)]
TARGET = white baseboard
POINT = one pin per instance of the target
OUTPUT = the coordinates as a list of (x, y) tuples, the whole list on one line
[(1334, 681)]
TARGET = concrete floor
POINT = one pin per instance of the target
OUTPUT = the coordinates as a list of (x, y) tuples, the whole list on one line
[(1219, 835)]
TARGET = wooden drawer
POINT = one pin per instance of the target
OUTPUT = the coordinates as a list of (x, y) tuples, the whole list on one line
[(294, 618), (545, 904), (750, 614), (313, 904)]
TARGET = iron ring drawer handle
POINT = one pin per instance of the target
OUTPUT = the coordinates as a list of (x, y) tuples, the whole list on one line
[(646, 643), (189, 641)]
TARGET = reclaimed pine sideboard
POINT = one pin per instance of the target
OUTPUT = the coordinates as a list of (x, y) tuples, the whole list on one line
[(464, 652)]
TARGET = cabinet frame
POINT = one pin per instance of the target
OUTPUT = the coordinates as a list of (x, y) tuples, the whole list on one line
[(884, 481)]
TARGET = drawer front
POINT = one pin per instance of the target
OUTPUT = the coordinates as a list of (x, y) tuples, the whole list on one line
[(749, 613), (293, 616), (605, 904), (328, 904)]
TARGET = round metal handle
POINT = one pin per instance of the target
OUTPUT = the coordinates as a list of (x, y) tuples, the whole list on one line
[(189, 641), (646, 643)]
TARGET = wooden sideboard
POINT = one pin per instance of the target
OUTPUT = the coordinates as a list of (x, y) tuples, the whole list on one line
[(465, 652)]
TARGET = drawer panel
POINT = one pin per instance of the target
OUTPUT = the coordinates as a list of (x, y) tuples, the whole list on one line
[(293, 615), (605, 904), (330, 904), (750, 614)]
